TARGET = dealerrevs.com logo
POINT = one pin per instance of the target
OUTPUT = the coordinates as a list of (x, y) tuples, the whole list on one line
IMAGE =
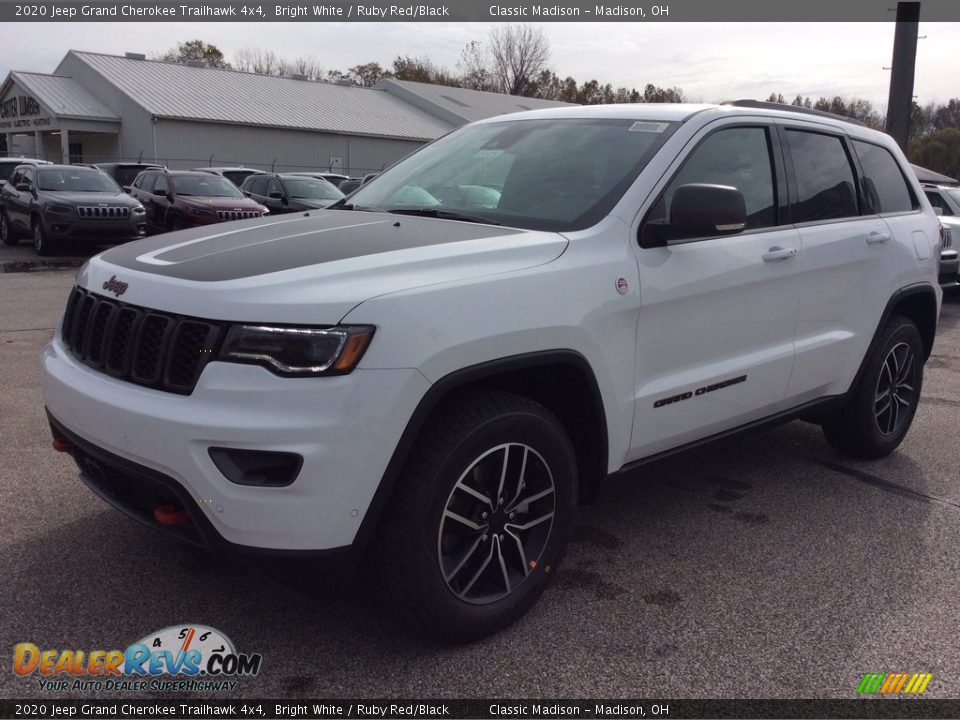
[(178, 658)]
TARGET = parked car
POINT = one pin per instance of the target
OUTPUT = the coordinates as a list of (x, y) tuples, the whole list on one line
[(334, 178), (8, 165), (236, 175), (437, 385), (176, 199), (946, 201), (348, 186), (62, 206), (126, 173), (283, 193)]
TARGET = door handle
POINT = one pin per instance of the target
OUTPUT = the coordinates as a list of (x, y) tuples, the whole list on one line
[(875, 238), (775, 254)]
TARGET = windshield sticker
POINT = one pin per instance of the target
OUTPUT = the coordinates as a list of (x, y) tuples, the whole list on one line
[(651, 127)]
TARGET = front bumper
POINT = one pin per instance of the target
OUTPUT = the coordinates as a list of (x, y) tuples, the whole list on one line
[(100, 231), (137, 445)]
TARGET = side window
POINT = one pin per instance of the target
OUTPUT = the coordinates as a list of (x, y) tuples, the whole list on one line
[(161, 186), (738, 157), (148, 182), (17, 178), (938, 202), (28, 176), (274, 187), (883, 185), (825, 181), (259, 186)]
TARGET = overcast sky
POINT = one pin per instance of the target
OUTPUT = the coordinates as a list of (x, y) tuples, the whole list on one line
[(710, 62)]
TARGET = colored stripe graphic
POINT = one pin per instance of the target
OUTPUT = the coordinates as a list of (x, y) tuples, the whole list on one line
[(894, 683)]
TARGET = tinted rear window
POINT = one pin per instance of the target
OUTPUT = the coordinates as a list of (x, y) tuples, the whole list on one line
[(825, 181), (885, 189)]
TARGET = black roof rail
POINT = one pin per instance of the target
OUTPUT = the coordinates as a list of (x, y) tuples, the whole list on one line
[(792, 108)]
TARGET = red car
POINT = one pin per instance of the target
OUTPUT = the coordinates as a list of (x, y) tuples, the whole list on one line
[(176, 199)]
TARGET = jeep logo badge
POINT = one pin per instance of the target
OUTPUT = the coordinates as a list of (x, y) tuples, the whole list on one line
[(115, 286)]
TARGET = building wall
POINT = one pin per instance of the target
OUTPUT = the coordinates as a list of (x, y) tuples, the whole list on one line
[(186, 144), (136, 128), (96, 147)]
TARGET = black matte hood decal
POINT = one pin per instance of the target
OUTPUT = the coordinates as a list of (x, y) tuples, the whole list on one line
[(241, 249)]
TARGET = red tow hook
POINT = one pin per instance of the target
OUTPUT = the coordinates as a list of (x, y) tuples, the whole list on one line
[(170, 515), (62, 445)]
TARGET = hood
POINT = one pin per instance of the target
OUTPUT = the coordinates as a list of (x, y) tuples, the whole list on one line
[(88, 198), (310, 268), (219, 203)]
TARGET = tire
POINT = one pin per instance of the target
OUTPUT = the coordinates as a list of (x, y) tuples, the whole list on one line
[(881, 407), (41, 242), (431, 555), (7, 233)]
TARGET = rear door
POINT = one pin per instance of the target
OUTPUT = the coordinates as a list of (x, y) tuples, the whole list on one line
[(715, 333), (849, 266)]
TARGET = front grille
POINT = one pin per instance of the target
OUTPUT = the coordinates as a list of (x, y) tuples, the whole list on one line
[(99, 212), (147, 347), (237, 214), (947, 238)]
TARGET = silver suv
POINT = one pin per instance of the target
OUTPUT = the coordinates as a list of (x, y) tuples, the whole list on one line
[(946, 201)]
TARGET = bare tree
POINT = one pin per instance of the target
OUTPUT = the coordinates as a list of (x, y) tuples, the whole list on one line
[(519, 53), (257, 60), (306, 66), (475, 69)]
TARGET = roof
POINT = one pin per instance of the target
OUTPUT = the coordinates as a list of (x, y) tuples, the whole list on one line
[(929, 176), (460, 105), (171, 90), (62, 96)]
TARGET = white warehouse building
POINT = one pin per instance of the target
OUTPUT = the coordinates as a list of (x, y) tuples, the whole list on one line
[(105, 108)]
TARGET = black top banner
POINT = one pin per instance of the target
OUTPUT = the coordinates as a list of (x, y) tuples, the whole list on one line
[(480, 709), (471, 11)]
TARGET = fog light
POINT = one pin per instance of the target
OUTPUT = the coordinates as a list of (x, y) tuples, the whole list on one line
[(257, 467)]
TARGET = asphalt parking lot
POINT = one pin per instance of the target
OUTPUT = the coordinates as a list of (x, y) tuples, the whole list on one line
[(768, 566)]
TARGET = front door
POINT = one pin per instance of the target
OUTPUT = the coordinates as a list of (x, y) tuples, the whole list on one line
[(715, 335)]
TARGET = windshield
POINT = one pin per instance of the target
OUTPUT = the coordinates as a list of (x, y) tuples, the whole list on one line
[(308, 189), (551, 174), (125, 175), (204, 186), (76, 180)]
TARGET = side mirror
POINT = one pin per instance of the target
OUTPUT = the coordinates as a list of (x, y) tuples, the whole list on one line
[(248, 193), (938, 211), (276, 195), (126, 189), (698, 210)]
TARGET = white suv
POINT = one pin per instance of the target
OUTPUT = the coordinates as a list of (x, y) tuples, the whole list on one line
[(439, 369)]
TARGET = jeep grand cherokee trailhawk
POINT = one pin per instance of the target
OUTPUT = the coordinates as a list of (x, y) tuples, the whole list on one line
[(436, 371)]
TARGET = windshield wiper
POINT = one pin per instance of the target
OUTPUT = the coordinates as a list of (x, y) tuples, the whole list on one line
[(443, 215)]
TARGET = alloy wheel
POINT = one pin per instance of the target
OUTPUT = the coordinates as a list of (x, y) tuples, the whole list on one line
[(896, 392), (496, 523)]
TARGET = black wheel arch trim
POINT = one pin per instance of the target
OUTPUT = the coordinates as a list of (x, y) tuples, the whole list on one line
[(457, 380), (915, 289)]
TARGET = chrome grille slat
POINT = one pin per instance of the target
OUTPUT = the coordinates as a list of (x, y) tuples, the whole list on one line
[(99, 213)]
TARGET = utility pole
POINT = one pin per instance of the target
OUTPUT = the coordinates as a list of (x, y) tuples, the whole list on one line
[(900, 102)]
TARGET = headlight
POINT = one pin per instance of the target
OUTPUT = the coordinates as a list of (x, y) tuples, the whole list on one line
[(298, 351), (59, 209), (199, 211), (138, 210)]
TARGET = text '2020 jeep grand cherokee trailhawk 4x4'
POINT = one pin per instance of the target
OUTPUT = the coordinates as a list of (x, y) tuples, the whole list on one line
[(436, 371)]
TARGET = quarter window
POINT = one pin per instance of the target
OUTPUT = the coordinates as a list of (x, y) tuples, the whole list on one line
[(938, 202), (148, 182), (737, 157), (825, 181), (884, 188), (161, 185)]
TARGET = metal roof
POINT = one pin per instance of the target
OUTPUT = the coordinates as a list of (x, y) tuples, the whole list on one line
[(63, 96), (465, 105), (180, 91), (930, 176)]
